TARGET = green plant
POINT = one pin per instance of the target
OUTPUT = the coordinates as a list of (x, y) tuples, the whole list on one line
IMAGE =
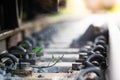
[(37, 50), (54, 60)]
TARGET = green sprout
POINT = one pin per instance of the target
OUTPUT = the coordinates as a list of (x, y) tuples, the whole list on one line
[(37, 50), (53, 58), (55, 61), (59, 58)]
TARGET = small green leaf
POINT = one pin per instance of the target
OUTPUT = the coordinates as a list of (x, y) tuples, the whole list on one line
[(58, 59), (37, 50), (62, 55), (53, 58)]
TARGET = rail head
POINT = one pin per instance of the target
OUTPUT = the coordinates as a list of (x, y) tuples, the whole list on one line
[(114, 56)]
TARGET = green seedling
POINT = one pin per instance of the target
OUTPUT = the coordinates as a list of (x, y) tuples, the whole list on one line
[(37, 50), (53, 58), (59, 58)]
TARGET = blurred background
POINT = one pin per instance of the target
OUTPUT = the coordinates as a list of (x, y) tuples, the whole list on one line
[(70, 8)]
